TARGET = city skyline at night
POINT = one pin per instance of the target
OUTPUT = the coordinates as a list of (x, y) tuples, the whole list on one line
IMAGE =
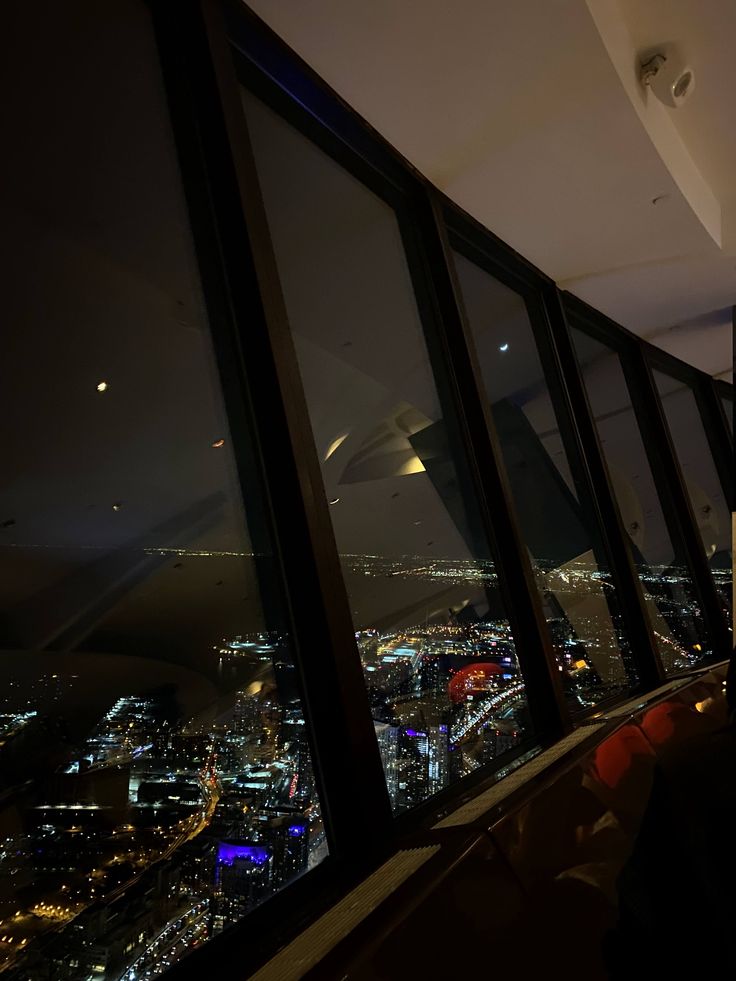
[(323, 509), (220, 810)]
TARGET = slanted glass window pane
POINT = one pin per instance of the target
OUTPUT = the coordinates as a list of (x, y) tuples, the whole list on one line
[(156, 776), (728, 409), (672, 606), (701, 479), (436, 646), (577, 593)]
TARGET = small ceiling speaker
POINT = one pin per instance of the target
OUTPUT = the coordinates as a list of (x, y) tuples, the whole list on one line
[(666, 72)]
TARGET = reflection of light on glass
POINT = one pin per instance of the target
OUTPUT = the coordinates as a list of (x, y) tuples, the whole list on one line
[(335, 445), (117, 505), (334, 500), (218, 443), (102, 387), (503, 348), (414, 465)]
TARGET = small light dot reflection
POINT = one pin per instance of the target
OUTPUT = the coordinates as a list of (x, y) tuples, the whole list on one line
[(504, 348), (218, 443), (334, 500), (117, 505), (102, 386)]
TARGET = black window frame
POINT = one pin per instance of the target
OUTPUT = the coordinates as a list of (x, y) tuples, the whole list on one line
[(584, 455), (638, 358), (265, 399), (338, 132)]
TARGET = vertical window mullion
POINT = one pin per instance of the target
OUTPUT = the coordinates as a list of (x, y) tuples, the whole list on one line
[(668, 474), (716, 428), (347, 762), (544, 692), (724, 394), (639, 631)]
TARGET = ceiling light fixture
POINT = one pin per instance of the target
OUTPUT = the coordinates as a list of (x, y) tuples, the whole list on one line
[(665, 71)]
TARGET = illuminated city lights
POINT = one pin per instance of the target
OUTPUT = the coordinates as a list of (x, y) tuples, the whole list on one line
[(244, 803), (228, 806), (228, 852)]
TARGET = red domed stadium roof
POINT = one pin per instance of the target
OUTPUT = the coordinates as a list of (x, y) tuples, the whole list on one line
[(470, 679)]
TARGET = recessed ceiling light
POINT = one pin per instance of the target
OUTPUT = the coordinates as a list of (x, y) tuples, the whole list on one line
[(504, 348), (102, 386), (218, 443)]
